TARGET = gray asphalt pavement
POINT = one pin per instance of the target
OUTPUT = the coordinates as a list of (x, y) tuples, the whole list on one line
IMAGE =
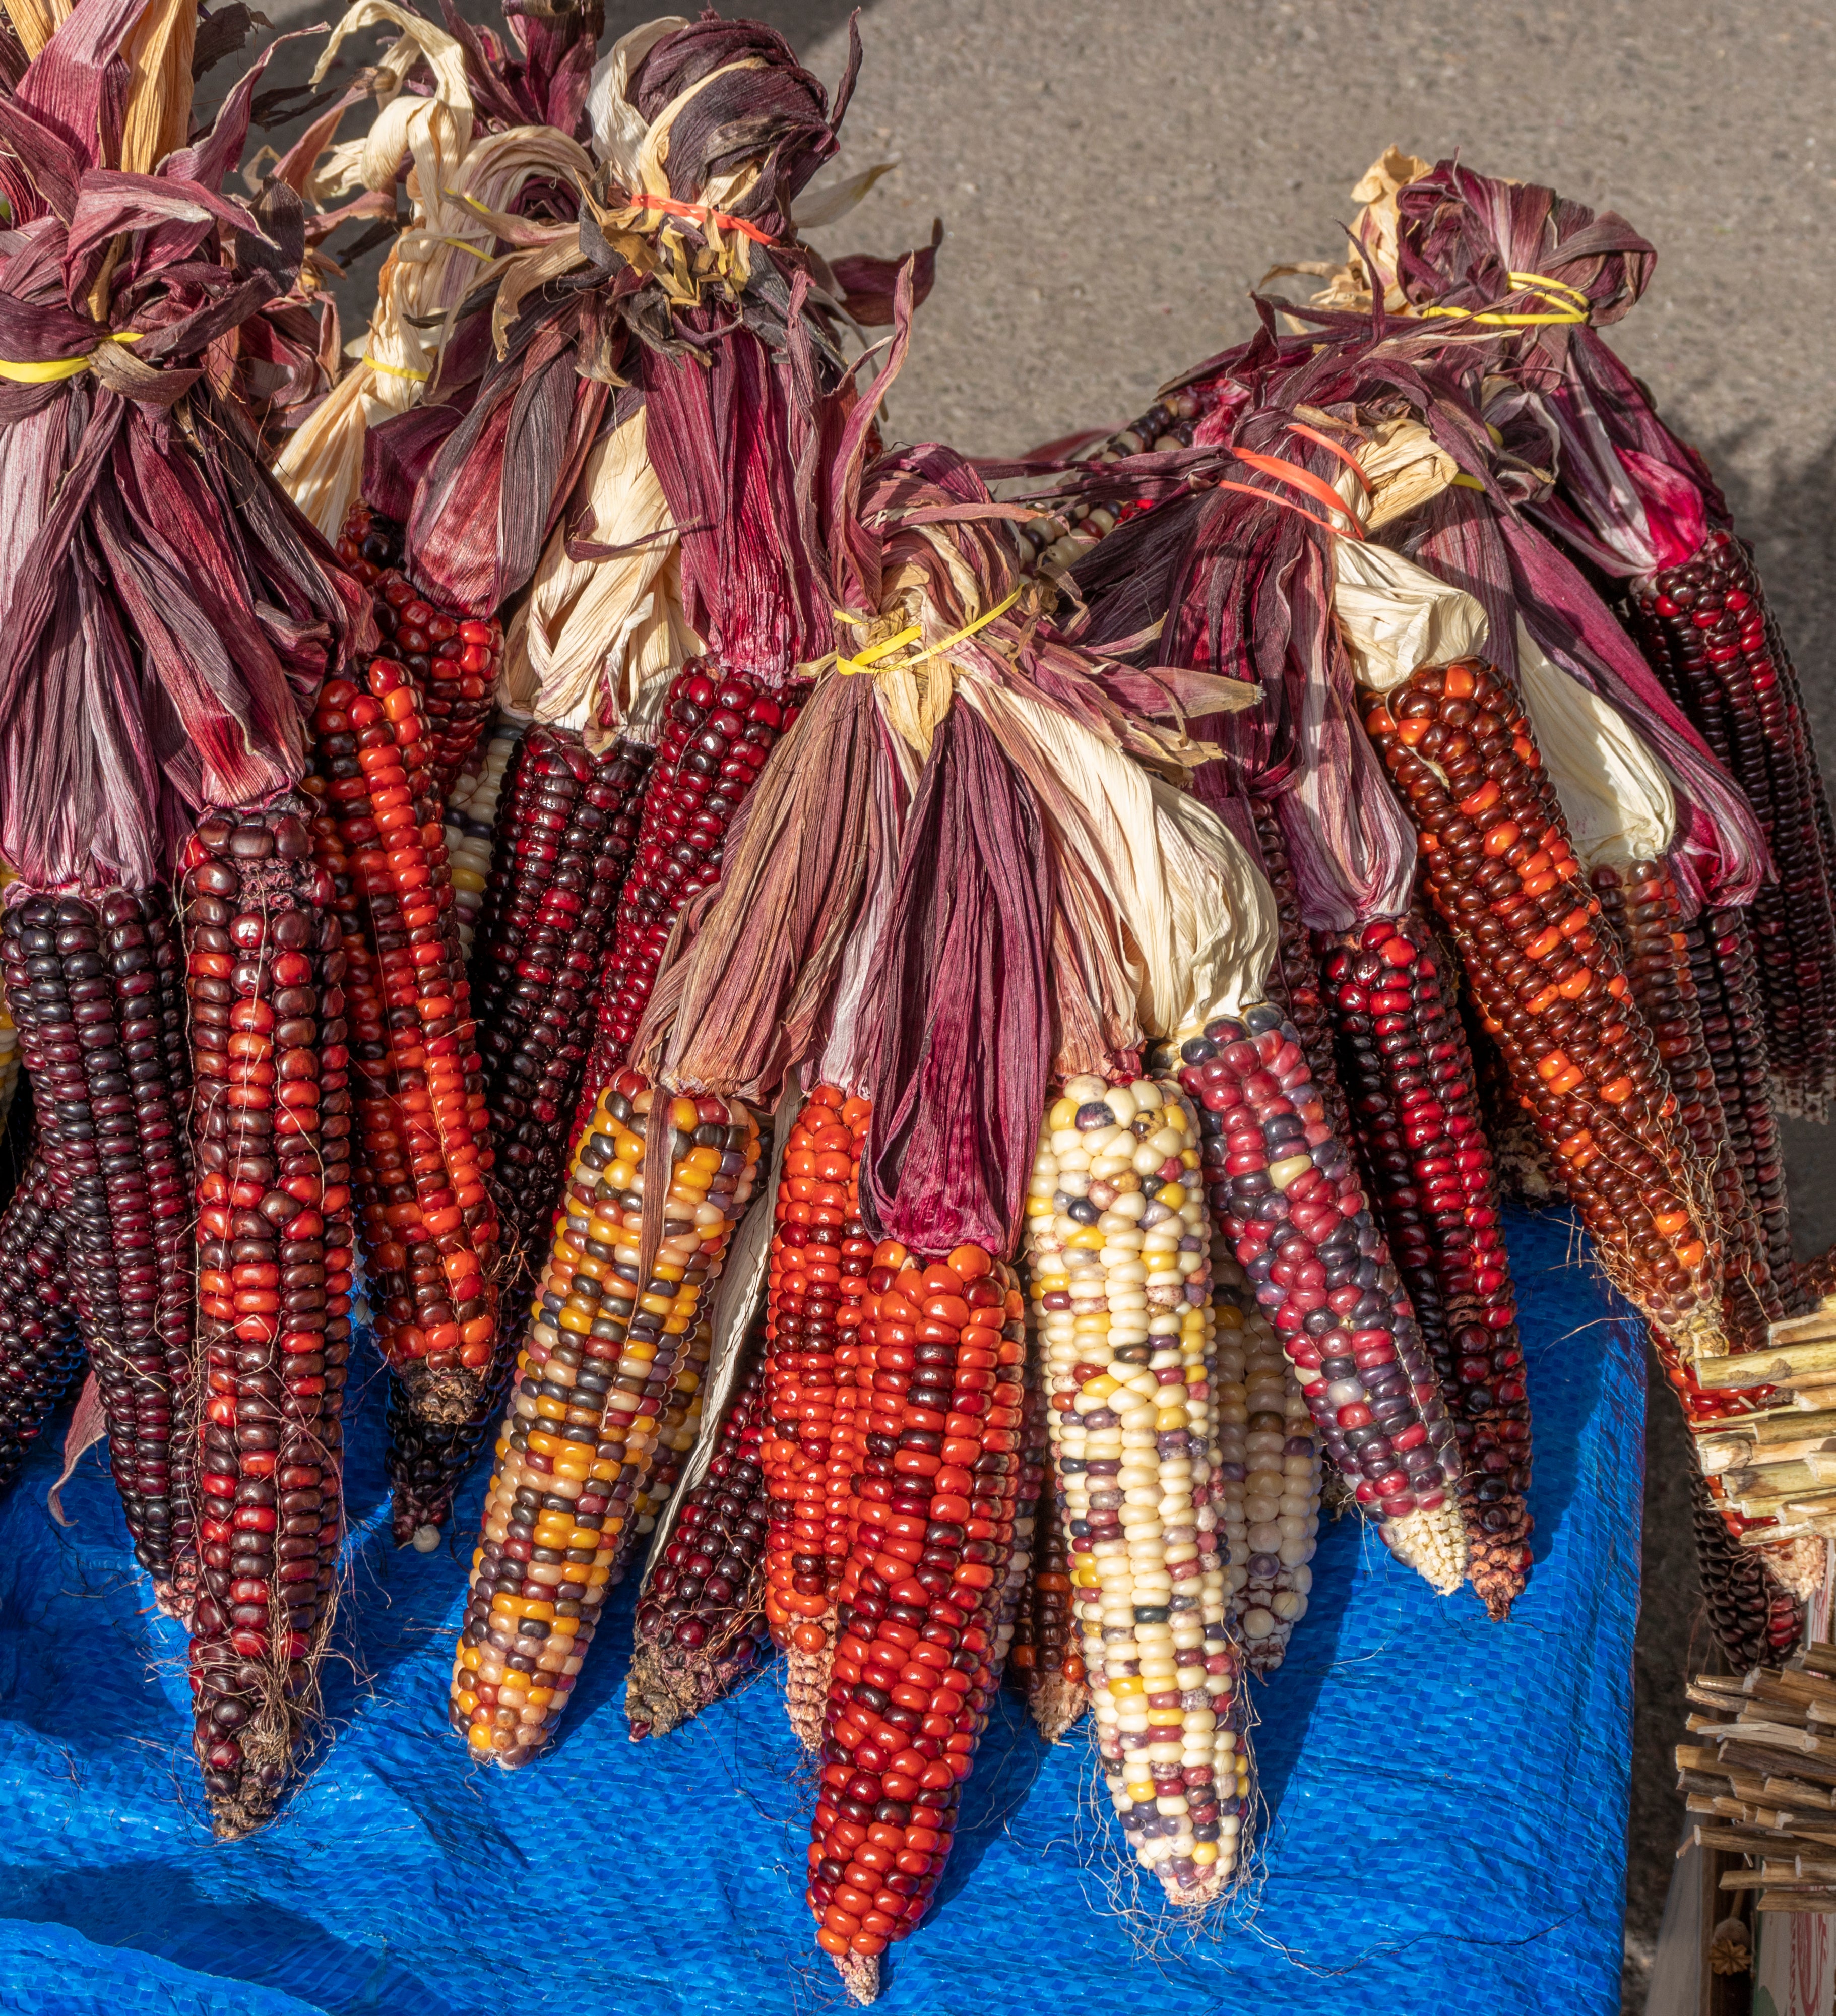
[(1113, 178)]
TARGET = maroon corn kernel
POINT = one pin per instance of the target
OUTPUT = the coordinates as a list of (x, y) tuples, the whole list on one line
[(719, 728), (1293, 981), (694, 1644), (568, 838), (89, 984), (271, 1122), (41, 1346), (1643, 905), (452, 658), (1283, 1189), (1722, 964), (1501, 871), (1421, 1138), (1710, 636), (1756, 1621)]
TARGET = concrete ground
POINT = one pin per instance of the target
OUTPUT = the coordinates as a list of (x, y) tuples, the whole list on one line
[(1113, 179)]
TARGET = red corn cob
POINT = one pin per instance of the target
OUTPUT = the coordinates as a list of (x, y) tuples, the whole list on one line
[(719, 728), (1643, 905), (1046, 1655), (94, 988), (912, 1673), (41, 1348), (1032, 1506), (820, 1257), (1817, 1278), (429, 1226), (1503, 873), (1284, 1192), (1293, 982), (1755, 1621), (452, 659), (1707, 629), (1421, 1136), (572, 830), (699, 1623), (600, 1352), (271, 1122), (1720, 949)]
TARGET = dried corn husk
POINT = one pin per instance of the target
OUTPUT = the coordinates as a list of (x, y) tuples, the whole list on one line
[(460, 184)]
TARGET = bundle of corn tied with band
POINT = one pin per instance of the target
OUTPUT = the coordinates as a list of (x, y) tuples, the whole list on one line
[(945, 1043)]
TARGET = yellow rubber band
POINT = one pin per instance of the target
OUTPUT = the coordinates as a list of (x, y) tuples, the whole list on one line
[(867, 661), (49, 371), (1462, 481), (1552, 286), (1493, 320), (393, 370)]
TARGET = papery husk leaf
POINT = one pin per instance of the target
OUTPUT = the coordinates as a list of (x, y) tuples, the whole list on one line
[(961, 1005), (593, 630), (762, 968)]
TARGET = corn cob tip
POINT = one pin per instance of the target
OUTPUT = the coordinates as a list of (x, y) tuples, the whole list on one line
[(860, 1976), (1433, 1542), (425, 1539), (1058, 1706), (806, 1693)]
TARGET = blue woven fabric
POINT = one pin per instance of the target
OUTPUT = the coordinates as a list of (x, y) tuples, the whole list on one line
[(1447, 1798)]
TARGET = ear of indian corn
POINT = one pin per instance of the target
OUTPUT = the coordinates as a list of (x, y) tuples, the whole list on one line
[(1266, 1483), (677, 1426), (1643, 905), (580, 1433), (820, 1258), (1118, 1246), (1710, 636), (450, 659), (565, 851), (271, 1122), (1503, 873), (1756, 1621), (913, 1673), (1029, 1500), (428, 1224), (1047, 1659), (471, 817), (1293, 981), (40, 1346), (95, 987), (718, 728), (1719, 945), (701, 1622), (9, 1055), (1421, 1134), (1285, 1192)]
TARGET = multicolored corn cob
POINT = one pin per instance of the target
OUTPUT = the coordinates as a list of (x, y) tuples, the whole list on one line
[(913, 1674), (450, 659), (1421, 1134), (428, 1223), (819, 1259), (1286, 1192), (272, 1124), (1119, 1251), (471, 817), (1267, 1480), (580, 1433), (1503, 873)]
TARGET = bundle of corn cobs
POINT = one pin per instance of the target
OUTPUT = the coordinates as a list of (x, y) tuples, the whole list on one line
[(945, 1059)]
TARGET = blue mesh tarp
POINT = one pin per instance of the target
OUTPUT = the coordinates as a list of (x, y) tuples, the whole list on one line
[(1447, 1798)]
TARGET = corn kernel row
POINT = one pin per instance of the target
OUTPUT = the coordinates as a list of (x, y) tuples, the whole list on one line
[(41, 1346), (1119, 1251), (471, 814), (1266, 1485)]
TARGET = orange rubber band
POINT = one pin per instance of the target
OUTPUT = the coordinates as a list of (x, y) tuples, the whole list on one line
[(1321, 491), (1352, 530), (701, 214), (1333, 447)]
